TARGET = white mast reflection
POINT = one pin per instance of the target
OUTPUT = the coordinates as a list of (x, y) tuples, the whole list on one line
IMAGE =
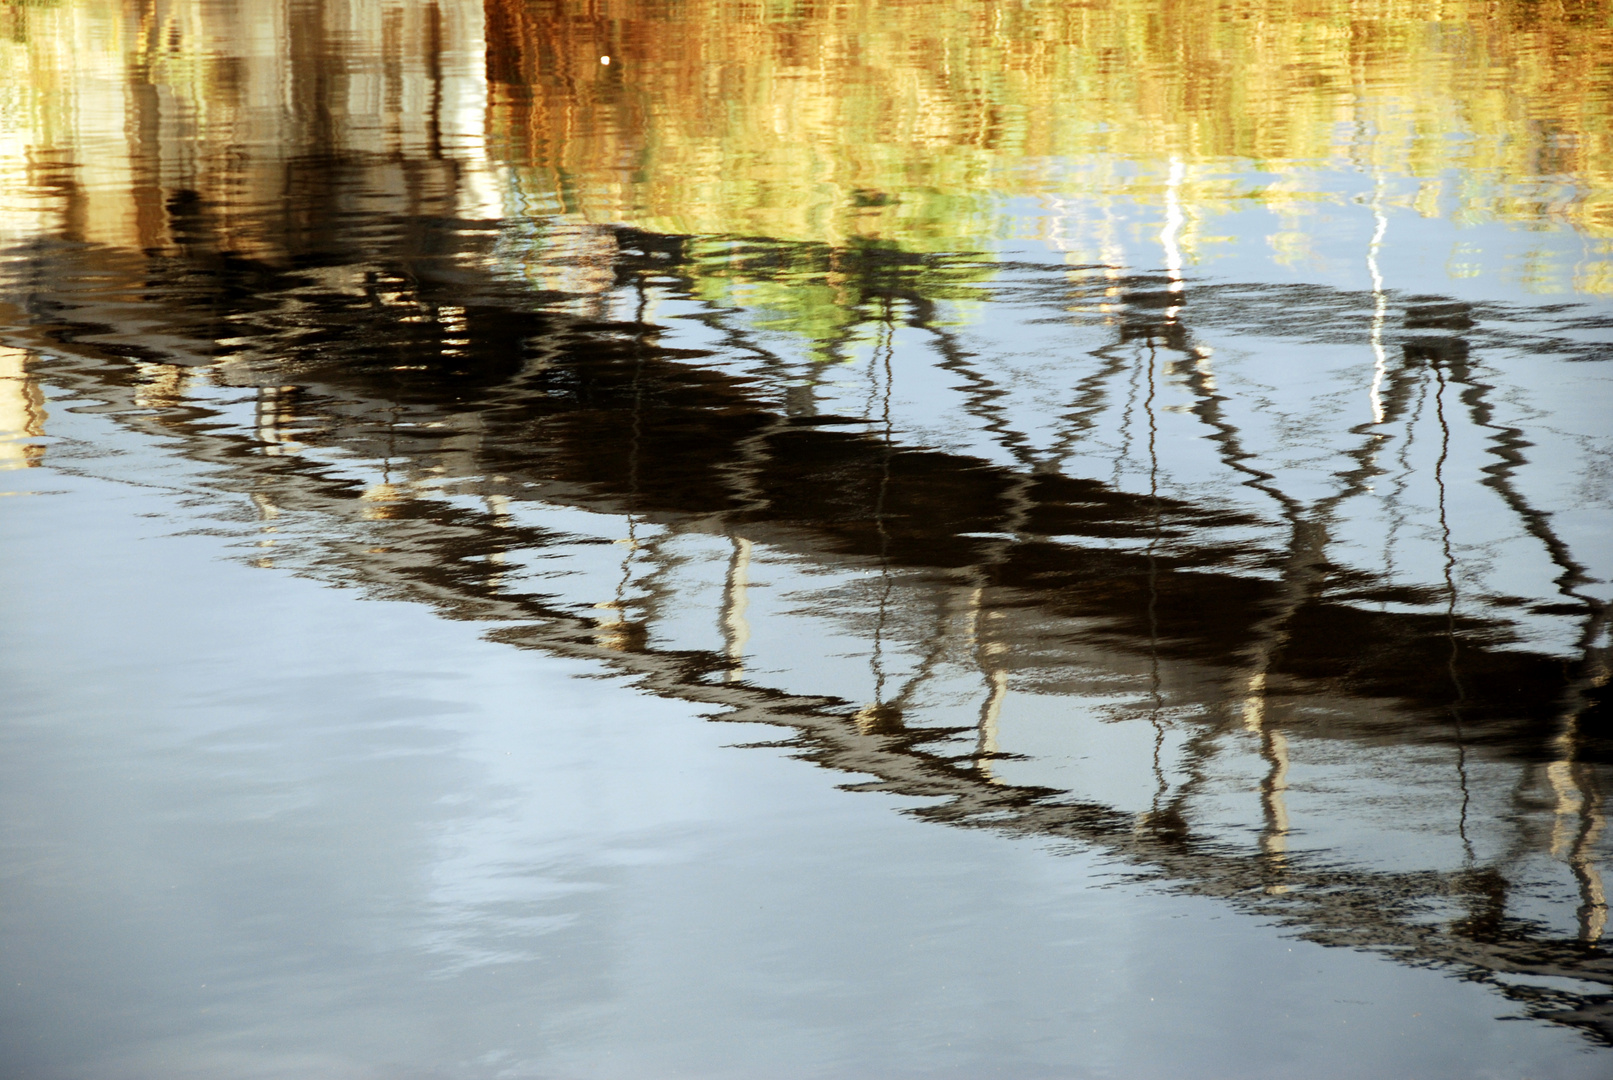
[(1380, 301)]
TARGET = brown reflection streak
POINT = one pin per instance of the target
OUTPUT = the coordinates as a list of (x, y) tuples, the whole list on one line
[(22, 412)]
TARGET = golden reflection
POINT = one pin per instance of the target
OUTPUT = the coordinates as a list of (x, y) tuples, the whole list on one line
[(1578, 822), (22, 412), (384, 499), (835, 122), (736, 598), (133, 124), (856, 119), (990, 657), (154, 126), (164, 386), (990, 710), (276, 416), (1274, 800)]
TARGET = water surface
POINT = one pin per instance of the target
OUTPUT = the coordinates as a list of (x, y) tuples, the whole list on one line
[(934, 539)]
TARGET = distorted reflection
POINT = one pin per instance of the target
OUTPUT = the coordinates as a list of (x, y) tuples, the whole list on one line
[(22, 412), (1212, 469)]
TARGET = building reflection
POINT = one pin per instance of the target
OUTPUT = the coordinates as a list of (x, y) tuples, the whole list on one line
[(849, 123), (22, 412), (1118, 612)]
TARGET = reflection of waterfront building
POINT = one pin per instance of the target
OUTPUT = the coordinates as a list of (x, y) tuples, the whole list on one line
[(22, 412), (144, 126), (901, 123), (1255, 587)]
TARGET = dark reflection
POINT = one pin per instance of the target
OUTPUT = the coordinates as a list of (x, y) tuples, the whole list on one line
[(436, 372), (429, 388)]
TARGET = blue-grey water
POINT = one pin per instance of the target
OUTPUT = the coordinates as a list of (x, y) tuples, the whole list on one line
[(514, 565)]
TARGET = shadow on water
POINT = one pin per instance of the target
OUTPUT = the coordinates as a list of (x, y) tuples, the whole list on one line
[(464, 383)]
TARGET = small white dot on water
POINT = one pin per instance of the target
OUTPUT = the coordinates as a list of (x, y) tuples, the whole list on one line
[(605, 60)]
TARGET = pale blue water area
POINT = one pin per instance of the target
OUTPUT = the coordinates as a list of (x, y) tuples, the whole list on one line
[(256, 826)]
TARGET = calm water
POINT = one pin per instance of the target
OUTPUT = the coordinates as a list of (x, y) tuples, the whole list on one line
[(935, 539)]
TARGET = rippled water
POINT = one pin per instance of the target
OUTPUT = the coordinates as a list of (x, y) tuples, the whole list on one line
[(932, 538)]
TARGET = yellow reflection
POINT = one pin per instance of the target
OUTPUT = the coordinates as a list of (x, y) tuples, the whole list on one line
[(848, 121), (886, 119), (162, 386), (736, 598), (384, 500), (22, 412), (129, 124)]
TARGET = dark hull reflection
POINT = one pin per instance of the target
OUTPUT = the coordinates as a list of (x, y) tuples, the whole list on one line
[(420, 416)]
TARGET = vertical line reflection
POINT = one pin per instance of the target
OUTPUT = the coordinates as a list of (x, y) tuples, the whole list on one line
[(1450, 604)]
